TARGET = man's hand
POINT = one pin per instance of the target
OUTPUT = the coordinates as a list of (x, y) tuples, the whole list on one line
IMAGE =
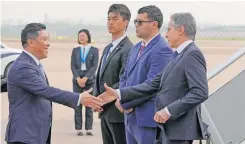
[(161, 116), (129, 110), (120, 108), (90, 101), (109, 95)]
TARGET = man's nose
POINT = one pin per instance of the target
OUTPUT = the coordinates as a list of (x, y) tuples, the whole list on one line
[(48, 43)]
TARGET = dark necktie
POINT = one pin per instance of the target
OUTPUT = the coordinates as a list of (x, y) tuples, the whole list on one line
[(105, 57), (175, 54), (140, 51)]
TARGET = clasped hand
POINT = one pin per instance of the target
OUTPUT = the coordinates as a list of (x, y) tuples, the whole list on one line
[(96, 103)]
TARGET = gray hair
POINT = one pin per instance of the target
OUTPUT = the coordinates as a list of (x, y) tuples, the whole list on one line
[(187, 21)]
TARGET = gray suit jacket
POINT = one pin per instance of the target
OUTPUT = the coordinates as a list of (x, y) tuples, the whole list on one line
[(91, 64), (111, 75), (30, 107), (181, 87)]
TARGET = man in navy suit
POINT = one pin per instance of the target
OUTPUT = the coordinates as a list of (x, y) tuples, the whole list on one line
[(145, 61), (30, 96), (180, 88)]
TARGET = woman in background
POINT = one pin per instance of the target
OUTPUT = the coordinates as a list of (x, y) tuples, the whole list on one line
[(84, 62)]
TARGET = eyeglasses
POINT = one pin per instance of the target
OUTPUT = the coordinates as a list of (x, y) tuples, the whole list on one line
[(140, 22)]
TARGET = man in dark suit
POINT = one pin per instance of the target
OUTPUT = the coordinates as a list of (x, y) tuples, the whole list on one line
[(145, 61), (84, 62), (111, 68), (180, 88), (30, 96)]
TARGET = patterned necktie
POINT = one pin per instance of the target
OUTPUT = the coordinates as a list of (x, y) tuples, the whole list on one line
[(42, 70), (140, 51), (105, 57)]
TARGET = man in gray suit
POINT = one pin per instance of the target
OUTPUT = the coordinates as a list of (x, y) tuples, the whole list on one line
[(180, 88), (30, 96), (111, 68)]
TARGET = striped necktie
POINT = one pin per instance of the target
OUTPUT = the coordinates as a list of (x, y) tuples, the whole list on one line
[(140, 51), (42, 70)]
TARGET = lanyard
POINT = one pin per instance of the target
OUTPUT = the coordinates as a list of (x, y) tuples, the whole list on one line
[(84, 53)]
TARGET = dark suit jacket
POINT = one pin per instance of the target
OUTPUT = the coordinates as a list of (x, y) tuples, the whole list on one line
[(153, 60), (91, 64), (30, 110), (182, 87), (111, 74)]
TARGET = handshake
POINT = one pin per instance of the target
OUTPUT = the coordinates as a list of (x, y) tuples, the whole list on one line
[(110, 95), (96, 103)]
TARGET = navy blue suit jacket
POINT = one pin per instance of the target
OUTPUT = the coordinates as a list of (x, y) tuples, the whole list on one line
[(30, 97), (154, 58)]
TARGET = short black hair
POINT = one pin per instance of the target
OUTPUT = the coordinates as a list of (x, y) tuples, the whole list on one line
[(153, 13), (122, 10), (87, 33), (31, 32)]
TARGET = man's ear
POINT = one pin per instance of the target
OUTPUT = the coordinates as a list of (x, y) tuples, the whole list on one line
[(30, 42), (126, 22), (181, 30), (155, 23)]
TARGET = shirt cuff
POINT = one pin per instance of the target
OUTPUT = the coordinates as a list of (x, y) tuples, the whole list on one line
[(166, 109), (79, 100), (118, 94)]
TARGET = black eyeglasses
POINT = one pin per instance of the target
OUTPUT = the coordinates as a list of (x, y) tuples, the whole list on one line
[(140, 22)]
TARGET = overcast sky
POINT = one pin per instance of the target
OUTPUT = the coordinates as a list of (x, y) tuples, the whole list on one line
[(224, 13)]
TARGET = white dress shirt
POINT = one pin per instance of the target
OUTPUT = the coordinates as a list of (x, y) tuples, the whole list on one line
[(183, 46), (33, 57), (146, 44), (115, 43)]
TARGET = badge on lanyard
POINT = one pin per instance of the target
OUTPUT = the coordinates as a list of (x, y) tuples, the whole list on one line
[(84, 54)]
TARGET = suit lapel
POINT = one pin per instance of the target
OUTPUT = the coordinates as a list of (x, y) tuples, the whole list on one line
[(119, 46), (101, 59), (31, 60), (78, 56), (149, 47), (172, 64), (45, 78)]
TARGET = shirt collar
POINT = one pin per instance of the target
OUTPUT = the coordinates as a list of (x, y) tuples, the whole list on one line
[(117, 41), (145, 44), (32, 56), (183, 46), (86, 46)]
